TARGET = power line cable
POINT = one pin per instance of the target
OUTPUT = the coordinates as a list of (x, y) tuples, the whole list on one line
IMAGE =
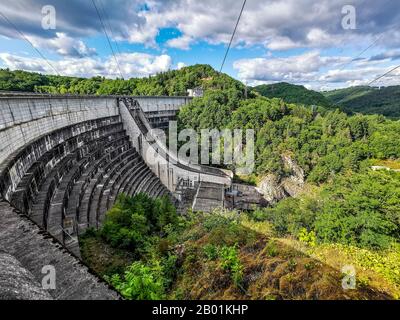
[(359, 54), (27, 40), (109, 25), (108, 39), (384, 75), (362, 52), (233, 35), (371, 82)]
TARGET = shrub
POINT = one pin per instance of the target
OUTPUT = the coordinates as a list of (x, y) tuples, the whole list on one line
[(132, 220), (292, 264), (169, 269), (362, 210), (141, 282), (308, 238), (230, 261)]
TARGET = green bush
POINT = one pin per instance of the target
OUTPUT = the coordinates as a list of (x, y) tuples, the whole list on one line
[(308, 238), (271, 249), (133, 220), (359, 209), (141, 282), (362, 210), (230, 261)]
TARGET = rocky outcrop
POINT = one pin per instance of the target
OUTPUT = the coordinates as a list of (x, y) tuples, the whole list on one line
[(275, 188), (271, 188), (297, 172)]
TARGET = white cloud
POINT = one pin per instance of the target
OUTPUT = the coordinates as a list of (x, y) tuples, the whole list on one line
[(314, 71), (132, 65), (282, 43), (180, 43), (387, 55), (64, 45), (294, 68), (141, 64), (276, 24)]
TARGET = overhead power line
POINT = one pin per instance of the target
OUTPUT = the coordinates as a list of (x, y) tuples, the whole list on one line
[(27, 40), (362, 52), (371, 82), (108, 39), (384, 75), (233, 35), (109, 25)]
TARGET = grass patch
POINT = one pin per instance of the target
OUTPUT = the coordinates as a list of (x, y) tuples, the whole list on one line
[(391, 164)]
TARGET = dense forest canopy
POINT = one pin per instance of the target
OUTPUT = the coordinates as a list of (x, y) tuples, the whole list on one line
[(170, 83), (322, 142), (335, 151)]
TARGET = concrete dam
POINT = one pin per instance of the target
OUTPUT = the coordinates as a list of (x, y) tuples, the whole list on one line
[(63, 162)]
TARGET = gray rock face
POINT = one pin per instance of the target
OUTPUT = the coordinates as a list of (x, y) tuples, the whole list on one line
[(17, 283), (31, 249), (275, 189), (272, 189), (297, 172)]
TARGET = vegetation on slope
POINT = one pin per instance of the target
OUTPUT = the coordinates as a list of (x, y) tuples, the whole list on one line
[(367, 100), (231, 255), (358, 209), (291, 93), (170, 83)]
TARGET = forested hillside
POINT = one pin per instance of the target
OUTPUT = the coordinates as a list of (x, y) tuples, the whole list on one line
[(347, 205), (291, 93), (367, 100), (170, 83)]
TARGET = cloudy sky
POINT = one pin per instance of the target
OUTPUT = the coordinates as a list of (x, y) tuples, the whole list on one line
[(314, 43)]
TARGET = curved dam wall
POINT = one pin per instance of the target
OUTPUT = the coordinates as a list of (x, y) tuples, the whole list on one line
[(25, 119), (63, 162)]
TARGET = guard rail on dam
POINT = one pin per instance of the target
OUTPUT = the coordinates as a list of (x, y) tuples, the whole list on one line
[(63, 162)]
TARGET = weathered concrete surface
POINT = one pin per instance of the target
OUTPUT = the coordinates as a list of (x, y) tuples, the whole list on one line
[(17, 283), (209, 196), (244, 197), (24, 119), (162, 161), (34, 249)]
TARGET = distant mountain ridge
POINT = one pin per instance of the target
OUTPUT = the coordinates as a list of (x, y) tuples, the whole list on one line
[(291, 93), (367, 100)]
